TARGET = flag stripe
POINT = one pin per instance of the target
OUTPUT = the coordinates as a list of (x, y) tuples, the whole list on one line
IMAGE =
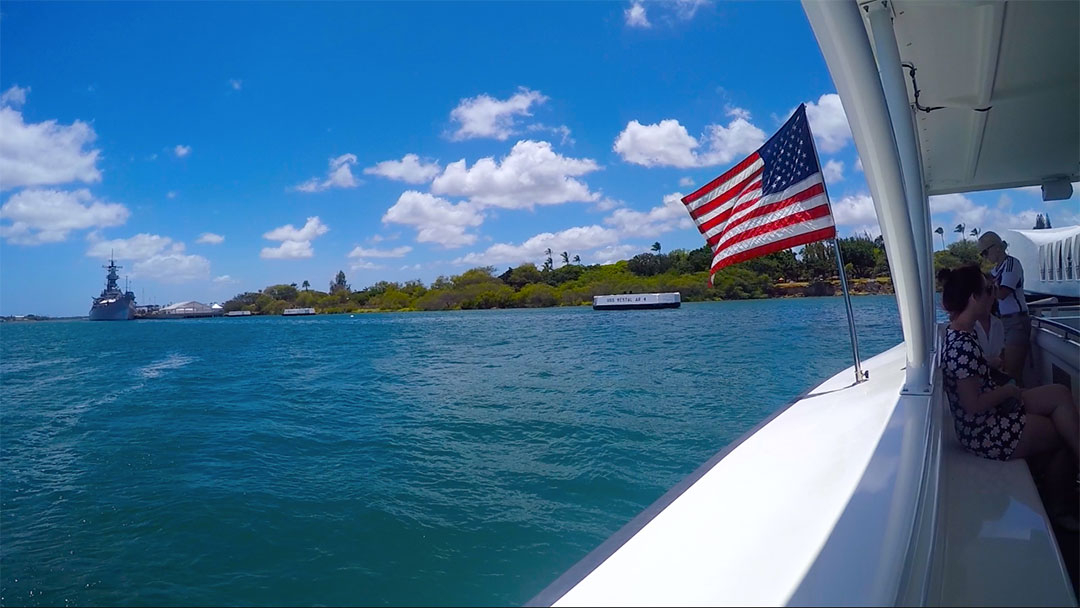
[(795, 204), (823, 222), (774, 246), (749, 198), (793, 190), (735, 225), (750, 195), (802, 215), (718, 201), (716, 185), (730, 179)]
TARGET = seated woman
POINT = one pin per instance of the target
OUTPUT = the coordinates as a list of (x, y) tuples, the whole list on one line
[(999, 422)]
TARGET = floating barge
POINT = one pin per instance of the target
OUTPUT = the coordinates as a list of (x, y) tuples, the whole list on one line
[(632, 301), (296, 312)]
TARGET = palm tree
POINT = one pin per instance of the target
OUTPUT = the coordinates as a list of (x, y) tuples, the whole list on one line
[(548, 264), (565, 259), (960, 228), (305, 285), (577, 259), (656, 246), (975, 232), (941, 232)]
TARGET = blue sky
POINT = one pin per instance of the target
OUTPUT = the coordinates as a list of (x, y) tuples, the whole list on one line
[(221, 148)]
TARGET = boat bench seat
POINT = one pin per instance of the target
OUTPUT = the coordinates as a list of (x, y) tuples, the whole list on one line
[(999, 548)]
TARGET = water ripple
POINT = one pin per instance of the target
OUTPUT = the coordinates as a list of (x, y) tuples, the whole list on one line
[(450, 458)]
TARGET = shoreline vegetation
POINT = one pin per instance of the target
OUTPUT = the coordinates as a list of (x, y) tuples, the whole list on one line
[(783, 274), (780, 274)]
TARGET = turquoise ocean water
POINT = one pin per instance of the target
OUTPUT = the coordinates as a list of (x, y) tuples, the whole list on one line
[(382, 459)]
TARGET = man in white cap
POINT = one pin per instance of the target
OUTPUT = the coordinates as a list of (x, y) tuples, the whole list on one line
[(1012, 306)]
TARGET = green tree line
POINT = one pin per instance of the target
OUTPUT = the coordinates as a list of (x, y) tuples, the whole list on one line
[(573, 283)]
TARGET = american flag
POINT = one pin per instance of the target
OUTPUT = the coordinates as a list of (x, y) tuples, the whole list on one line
[(774, 199)]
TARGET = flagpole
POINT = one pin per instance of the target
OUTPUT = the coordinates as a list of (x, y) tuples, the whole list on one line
[(860, 375)]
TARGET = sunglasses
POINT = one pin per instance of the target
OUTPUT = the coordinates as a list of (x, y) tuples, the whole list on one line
[(986, 251)]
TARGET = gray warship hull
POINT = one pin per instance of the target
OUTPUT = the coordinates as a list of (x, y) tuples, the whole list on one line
[(120, 309), (113, 304)]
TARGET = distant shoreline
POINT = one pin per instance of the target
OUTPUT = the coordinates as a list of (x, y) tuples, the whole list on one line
[(785, 290)]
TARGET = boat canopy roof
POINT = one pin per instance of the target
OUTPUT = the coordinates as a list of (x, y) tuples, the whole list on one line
[(1003, 81)]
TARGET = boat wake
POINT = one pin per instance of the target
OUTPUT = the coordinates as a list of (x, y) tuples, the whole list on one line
[(157, 368)]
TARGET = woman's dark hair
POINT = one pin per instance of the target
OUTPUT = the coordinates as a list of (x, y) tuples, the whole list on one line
[(958, 285)]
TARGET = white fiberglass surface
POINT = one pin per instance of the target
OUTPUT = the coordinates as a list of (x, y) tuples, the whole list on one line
[(1004, 81), (749, 530)]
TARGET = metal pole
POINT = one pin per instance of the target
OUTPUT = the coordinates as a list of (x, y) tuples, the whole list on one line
[(841, 35), (860, 375), (900, 113)]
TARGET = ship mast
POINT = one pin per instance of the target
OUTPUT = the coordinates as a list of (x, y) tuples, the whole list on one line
[(112, 277)]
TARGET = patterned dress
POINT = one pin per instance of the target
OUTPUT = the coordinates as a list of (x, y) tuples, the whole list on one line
[(991, 433)]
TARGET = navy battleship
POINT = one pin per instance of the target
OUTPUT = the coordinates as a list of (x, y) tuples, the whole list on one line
[(113, 304)]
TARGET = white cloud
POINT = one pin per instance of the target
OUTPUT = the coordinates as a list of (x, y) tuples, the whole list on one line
[(296, 243), (288, 250), (224, 279), (409, 169), (139, 247), (15, 96), (670, 12), (833, 171), (485, 116), (614, 253), (871, 230), (365, 265), (172, 268), (45, 153), (396, 252), (686, 9), (686, 182), (740, 138), (339, 175), (668, 143), (209, 238), (236, 84), (953, 209), (436, 220), (636, 17), (854, 210), (962, 208), (828, 122), (607, 204), (562, 131), (668, 216), (47, 216), (532, 174), (311, 229), (181, 151), (572, 240), (171, 194)]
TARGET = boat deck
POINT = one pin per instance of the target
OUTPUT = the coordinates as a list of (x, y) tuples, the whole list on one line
[(998, 549)]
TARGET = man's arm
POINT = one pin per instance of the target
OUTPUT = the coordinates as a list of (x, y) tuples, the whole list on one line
[(1009, 279)]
